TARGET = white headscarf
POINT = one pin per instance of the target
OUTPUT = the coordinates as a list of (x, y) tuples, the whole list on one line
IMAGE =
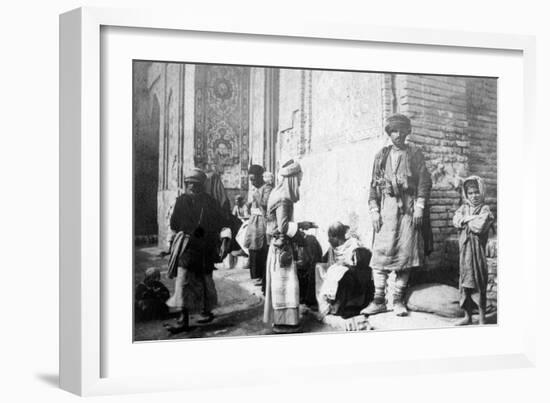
[(289, 185), (479, 182)]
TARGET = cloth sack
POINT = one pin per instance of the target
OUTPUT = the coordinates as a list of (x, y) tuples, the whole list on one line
[(440, 299), (241, 236)]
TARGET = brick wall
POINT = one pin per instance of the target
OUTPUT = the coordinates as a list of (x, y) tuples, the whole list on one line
[(437, 108), (482, 133), (454, 123)]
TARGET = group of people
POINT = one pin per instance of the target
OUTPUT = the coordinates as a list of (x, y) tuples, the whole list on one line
[(349, 279)]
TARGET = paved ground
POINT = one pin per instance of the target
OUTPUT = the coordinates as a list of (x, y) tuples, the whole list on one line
[(239, 312), (241, 306)]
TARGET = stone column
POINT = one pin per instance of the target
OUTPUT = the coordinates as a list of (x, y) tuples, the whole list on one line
[(257, 115), (189, 118), (290, 114)]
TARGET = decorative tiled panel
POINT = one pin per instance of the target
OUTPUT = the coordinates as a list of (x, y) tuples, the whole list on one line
[(221, 121)]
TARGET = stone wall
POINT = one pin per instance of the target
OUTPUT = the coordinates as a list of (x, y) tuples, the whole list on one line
[(166, 84), (292, 114), (173, 88), (145, 149), (334, 125), (332, 122)]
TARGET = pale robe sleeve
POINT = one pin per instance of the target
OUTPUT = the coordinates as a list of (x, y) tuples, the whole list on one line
[(481, 222), (285, 225), (250, 197), (458, 219)]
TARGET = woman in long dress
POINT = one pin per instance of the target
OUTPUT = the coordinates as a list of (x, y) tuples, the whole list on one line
[(282, 297)]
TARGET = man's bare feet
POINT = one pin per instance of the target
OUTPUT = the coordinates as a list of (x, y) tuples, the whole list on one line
[(481, 317), (373, 308), (399, 309)]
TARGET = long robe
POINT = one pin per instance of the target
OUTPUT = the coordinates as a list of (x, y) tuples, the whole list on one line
[(474, 224), (256, 232), (282, 294), (201, 217), (400, 178)]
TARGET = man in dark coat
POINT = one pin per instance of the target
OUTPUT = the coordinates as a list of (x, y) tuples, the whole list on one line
[(199, 217)]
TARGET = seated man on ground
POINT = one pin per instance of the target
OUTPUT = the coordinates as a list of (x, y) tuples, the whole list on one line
[(150, 297), (344, 281)]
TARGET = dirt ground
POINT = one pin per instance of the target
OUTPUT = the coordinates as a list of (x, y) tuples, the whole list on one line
[(240, 308), (239, 311)]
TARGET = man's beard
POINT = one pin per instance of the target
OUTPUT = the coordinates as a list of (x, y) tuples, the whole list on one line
[(399, 144), (193, 193), (258, 184)]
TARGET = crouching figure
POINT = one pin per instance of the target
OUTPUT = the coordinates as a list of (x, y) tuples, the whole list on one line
[(344, 280)]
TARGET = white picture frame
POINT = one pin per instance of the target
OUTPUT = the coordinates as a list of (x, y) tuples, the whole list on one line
[(82, 196)]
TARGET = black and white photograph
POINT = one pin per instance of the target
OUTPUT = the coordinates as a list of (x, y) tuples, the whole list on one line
[(281, 200), (253, 202)]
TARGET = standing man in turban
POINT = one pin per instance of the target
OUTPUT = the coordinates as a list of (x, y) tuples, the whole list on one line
[(199, 224), (256, 238), (399, 192)]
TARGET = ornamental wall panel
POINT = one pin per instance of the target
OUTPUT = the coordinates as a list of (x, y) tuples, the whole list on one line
[(222, 121)]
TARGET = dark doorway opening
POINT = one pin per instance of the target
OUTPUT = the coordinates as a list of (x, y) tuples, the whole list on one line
[(146, 174)]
